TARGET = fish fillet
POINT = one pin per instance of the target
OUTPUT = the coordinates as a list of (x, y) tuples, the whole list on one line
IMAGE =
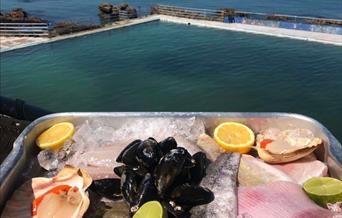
[(304, 169), (279, 199), (221, 180), (253, 171)]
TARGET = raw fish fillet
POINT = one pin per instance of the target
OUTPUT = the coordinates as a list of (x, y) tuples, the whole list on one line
[(304, 169), (99, 164), (209, 146), (253, 171), (221, 180), (279, 200)]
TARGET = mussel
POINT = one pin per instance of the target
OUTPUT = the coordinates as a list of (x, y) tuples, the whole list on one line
[(199, 170), (169, 167), (167, 145), (163, 172), (119, 170), (191, 195), (147, 192), (148, 153), (128, 155), (109, 188), (129, 185)]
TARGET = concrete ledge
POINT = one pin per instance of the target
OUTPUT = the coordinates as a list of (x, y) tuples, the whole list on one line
[(271, 31), (116, 25)]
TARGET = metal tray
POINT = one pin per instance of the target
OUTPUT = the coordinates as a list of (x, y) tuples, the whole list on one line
[(21, 164)]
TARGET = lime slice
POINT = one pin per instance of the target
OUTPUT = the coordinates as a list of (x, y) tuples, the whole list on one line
[(151, 209), (323, 190)]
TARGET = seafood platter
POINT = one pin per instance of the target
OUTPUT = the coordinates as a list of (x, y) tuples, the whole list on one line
[(173, 165)]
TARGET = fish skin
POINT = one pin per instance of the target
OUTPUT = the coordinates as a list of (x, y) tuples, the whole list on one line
[(221, 179), (280, 199)]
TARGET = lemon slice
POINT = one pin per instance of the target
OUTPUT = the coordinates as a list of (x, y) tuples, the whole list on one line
[(234, 137), (151, 209), (54, 137), (324, 190)]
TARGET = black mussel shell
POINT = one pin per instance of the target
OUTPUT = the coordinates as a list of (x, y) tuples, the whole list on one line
[(183, 177), (199, 170), (119, 170), (109, 188), (189, 162), (168, 168), (130, 145), (148, 153), (129, 185), (167, 145), (147, 191), (128, 155), (191, 195)]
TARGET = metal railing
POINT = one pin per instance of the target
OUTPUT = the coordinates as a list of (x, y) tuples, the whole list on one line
[(193, 13), (24, 29), (208, 14)]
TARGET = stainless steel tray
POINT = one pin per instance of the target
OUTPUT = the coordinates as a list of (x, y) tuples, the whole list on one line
[(21, 163)]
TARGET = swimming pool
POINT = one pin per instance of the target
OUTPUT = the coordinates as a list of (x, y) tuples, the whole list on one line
[(171, 67)]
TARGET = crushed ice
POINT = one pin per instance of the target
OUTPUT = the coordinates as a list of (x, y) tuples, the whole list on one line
[(96, 134)]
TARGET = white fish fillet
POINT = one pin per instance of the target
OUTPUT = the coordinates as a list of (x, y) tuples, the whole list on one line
[(221, 180), (304, 169), (253, 171), (279, 200)]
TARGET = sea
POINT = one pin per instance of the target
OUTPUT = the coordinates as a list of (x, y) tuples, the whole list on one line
[(172, 67), (87, 10)]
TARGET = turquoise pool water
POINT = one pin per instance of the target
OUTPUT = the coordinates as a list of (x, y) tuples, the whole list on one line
[(171, 67), (86, 11)]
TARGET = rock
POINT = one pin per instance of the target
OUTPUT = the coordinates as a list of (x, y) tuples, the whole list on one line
[(123, 6), (106, 8), (18, 13)]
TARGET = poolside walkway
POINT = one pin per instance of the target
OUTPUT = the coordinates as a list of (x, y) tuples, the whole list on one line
[(12, 43), (272, 31)]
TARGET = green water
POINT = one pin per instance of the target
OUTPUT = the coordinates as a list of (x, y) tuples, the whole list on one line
[(170, 67)]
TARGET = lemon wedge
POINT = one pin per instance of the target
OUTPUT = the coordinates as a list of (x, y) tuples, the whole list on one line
[(234, 137), (54, 137)]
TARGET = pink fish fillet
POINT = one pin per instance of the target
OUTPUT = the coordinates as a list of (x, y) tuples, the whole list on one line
[(279, 199), (304, 169)]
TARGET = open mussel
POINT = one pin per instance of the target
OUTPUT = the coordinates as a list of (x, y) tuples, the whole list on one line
[(148, 153)]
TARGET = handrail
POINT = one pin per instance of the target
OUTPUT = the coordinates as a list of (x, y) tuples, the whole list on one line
[(24, 24), (24, 29)]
